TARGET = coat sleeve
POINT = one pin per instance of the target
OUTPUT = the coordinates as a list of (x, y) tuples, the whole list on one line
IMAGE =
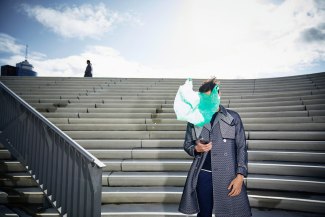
[(189, 141), (242, 156)]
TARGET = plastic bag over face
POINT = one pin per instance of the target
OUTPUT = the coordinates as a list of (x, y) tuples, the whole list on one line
[(195, 107)]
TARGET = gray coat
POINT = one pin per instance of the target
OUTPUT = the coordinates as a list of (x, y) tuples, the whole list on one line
[(228, 157), (89, 70)]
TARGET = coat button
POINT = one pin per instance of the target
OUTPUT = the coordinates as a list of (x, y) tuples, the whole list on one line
[(224, 140), (225, 154)]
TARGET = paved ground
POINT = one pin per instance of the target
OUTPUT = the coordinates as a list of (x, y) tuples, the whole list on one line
[(282, 213)]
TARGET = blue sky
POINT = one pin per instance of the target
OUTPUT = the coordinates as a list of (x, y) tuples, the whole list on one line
[(165, 38)]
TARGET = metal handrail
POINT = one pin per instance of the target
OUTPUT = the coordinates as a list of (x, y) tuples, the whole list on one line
[(55, 128), (47, 152)]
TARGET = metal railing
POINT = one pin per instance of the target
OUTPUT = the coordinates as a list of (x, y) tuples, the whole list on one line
[(69, 176)]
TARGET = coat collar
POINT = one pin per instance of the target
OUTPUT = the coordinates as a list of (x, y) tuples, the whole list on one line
[(223, 115)]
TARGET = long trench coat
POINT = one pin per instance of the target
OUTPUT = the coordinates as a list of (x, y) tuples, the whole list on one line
[(228, 157)]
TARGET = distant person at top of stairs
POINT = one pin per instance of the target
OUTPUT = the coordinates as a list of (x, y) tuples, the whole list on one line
[(89, 69)]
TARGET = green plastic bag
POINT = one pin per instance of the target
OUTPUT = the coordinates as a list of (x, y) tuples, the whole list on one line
[(195, 107)]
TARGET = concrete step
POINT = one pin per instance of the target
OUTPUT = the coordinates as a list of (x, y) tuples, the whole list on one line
[(117, 105), (174, 121), (111, 144), (119, 195), (78, 135), (284, 127), (3, 197), (34, 211), (224, 99), (178, 143), (102, 121), (235, 105), (287, 168), (134, 151), (140, 210), (53, 92), (225, 94), (310, 202), (5, 211), (253, 155), (260, 135), (225, 87), (146, 165), (11, 166), (182, 127), (97, 115), (131, 101), (82, 107), (290, 156), (316, 112), (245, 120), (239, 104), (253, 181), (30, 195), (173, 116), (171, 210), (145, 178), (253, 109), (251, 114), (312, 97), (5, 154), (15, 210), (318, 119), (314, 101), (287, 200), (150, 99), (140, 153), (107, 110), (286, 145), (293, 135), (108, 134), (286, 183), (254, 167), (108, 127), (20, 179), (315, 107)]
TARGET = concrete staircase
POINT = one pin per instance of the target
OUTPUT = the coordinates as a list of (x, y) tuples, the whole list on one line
[(130, 125)]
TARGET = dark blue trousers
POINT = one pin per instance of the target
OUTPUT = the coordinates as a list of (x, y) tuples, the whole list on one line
[(205, 194)]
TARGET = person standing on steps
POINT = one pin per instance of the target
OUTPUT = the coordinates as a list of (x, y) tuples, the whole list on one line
[(89, 70), (215, 181)]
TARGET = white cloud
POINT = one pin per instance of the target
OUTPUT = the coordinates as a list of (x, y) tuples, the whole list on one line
[(8, 44), (79, 21), (15, 50), (251, 38), (106, 61)]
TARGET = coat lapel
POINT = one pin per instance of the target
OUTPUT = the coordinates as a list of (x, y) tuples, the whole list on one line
[(207, 126), (222, 115)]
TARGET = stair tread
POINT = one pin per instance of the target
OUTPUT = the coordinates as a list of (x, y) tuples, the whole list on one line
[(158, 209), (178, 190), (184, 174)]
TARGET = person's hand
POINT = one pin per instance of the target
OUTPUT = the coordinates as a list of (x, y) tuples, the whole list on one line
[(200, 147), (236, 185)]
